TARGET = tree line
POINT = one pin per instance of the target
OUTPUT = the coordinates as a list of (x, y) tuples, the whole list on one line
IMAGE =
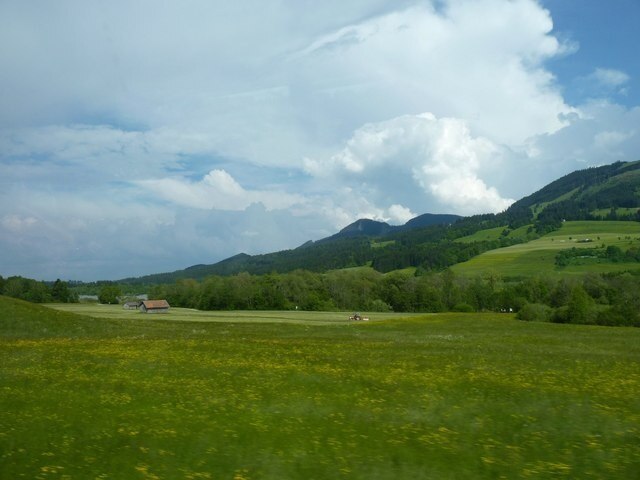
[(599, 299), (611, 253), (603, 299), (37, 292)]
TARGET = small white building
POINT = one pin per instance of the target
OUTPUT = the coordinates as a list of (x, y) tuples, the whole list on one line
[(131, 305)]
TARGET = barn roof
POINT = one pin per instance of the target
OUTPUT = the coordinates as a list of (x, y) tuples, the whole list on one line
[(151, 304)]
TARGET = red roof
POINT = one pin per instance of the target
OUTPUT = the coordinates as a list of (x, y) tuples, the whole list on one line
[(153, 304)]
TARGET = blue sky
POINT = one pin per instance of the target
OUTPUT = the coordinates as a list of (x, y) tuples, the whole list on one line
[(605, 34), (143, 137)]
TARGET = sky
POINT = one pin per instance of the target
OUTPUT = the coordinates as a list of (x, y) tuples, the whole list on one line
[(144, 137)]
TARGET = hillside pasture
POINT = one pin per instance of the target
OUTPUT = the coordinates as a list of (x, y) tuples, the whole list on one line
[(538, 256), (537, 208), (451, 396), (488, 235), (491, 234)]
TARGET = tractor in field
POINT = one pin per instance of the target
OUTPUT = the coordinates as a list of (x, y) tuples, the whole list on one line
[(357, 317)]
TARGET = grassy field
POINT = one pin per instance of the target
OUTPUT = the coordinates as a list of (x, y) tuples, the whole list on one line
[(198, 395), (539, 255), (191, 315)]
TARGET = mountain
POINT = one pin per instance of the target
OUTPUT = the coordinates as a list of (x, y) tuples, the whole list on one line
[(366, 227), (609, 192), (603, 186), (347, 248), (429, 219)]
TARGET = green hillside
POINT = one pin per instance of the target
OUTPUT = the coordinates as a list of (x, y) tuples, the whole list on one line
[(585, 195), (539, 256), (595, 184), (24, 320), (21, 319)]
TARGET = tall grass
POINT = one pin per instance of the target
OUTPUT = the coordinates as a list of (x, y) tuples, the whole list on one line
[(438, 396)]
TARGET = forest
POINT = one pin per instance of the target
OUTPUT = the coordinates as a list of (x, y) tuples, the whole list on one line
[(37, 292), (602, 299)]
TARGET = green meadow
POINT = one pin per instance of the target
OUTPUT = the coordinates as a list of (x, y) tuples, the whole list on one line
[(109, 394), (538, 256), (192, 315)]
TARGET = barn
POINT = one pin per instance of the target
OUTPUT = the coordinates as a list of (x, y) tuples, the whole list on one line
[(154, 306), (131, 305)]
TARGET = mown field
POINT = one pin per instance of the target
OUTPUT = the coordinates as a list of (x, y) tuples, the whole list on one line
[(538, 256), (192, 315), (450, 396)]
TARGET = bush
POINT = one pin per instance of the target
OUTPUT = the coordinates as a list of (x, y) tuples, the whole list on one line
[(618, 317), (378, 305), (536, 312), (560, 315), (611, 318), (463, 307), (581, 307)]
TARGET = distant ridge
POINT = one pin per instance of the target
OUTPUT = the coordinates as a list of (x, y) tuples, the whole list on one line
[(366, 227), (428, 219), (313, 255)]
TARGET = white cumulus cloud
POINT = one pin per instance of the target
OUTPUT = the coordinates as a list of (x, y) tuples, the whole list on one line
[(440, 156), (218, 190), (399, 214), (442, 60)]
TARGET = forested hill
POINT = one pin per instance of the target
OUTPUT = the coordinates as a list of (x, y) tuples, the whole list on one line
[(610, 192), (581, 184), (352, 246), (371, 228), (607, 192)]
